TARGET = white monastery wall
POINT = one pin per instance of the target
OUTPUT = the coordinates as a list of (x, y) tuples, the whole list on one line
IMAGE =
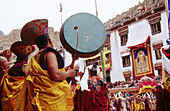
[(137, 33)]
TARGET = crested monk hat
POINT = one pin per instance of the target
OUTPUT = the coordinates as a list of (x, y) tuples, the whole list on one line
[(32, 30), (6, 53), (19, 48)]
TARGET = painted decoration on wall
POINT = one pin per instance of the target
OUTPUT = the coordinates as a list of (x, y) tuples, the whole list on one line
[(142, 63)]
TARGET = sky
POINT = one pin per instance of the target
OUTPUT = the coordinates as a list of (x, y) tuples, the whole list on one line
[(16, 13)]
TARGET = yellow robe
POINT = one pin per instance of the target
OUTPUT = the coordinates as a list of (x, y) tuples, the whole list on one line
[(40, 93), (10, 91)]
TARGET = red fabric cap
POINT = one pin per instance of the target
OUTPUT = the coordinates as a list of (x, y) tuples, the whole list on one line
[(18, 48), (33, 29), (6, 53)]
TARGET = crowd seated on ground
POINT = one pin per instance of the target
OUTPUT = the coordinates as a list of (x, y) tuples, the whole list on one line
[(128, 84), (130, 102), (123, 84)]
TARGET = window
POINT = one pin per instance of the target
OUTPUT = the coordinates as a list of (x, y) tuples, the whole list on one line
[(123, 40), (108, 58), (156, 28), (126, 61), (158, 54), (107, 43)]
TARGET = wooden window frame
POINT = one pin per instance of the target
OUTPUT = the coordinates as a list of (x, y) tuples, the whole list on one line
[(158, 54), (126, 61), (124, 39), (156, 28)]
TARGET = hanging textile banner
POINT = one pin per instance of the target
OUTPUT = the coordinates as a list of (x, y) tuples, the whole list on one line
[(142, 60)]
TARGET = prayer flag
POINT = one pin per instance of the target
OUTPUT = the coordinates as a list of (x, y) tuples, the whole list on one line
[(61, 9)]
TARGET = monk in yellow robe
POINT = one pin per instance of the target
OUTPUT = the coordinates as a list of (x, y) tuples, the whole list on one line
[(46, 88), (13, 81), (4, 66)]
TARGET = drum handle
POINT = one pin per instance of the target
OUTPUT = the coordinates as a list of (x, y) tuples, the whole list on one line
[(72, 64)]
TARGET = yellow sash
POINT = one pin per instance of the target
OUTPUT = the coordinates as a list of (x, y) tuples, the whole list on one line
[(40, 93)]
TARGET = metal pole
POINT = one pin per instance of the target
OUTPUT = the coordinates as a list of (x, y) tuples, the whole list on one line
[(61, 10), (61, 18), (96, 8)]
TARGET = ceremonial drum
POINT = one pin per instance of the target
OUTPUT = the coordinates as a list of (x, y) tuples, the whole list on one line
[(91, 35)]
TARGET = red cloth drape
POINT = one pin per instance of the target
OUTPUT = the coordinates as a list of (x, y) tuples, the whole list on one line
[(163, 100), (90, 100)]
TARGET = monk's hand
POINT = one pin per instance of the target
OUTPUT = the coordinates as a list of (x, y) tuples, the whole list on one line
[(67, 68), (71, 72)]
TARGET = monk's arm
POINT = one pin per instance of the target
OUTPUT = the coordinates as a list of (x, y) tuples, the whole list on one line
[(25, 69), (53, 70)]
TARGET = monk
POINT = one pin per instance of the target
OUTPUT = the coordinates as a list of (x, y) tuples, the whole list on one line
[(13, 81), (163, 98), (99, 91), (97, 98), (4, 65), (46, 88)]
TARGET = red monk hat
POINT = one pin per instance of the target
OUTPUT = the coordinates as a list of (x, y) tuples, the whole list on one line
[(6, 53), (33, 29), (18, 47)]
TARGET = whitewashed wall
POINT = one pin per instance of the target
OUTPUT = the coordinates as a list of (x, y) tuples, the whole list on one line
[(137, 33)]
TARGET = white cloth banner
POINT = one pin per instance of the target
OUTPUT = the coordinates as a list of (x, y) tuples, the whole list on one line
[(165, 60)]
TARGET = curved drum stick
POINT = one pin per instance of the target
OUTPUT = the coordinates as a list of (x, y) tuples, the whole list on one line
[(72, 64)]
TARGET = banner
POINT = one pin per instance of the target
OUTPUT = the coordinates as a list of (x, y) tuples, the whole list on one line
[(142, 61), (61, 8)]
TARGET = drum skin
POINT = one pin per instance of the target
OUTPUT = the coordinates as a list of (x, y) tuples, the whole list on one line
[(91, 35)]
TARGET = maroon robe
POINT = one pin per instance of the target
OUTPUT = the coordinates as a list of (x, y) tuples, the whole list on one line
[(94, 100), (163, 100), (16, 69)]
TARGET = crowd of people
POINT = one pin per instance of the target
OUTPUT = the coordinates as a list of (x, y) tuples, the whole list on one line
[(132, 83), (130, 102), (42, 84)]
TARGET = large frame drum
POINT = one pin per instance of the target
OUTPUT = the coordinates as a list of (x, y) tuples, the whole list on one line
[(91, 35)]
